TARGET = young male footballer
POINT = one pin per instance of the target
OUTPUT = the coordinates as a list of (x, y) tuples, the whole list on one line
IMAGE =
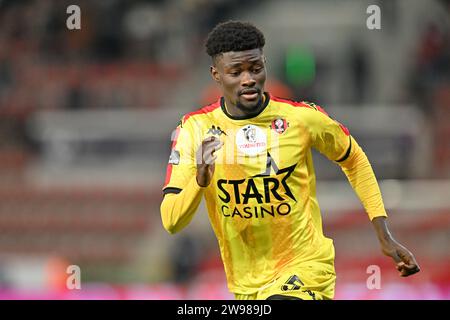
[(249, 156)]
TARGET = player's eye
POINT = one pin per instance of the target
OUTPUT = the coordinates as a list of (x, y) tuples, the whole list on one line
[(235, 73), (257, 69)]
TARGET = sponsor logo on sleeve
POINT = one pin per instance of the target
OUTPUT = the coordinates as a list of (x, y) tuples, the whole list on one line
[(174, 157)]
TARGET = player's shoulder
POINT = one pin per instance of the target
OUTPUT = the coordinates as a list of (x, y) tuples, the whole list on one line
[(200, 114), (304, 107)]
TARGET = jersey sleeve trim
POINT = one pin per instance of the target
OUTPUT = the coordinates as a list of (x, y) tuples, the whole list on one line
[(172, 190), (347, 153)]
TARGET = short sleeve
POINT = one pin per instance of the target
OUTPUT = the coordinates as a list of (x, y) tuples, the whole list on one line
[(181, 165)]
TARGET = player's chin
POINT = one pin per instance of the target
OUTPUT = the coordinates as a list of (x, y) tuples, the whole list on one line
[(249, 105)]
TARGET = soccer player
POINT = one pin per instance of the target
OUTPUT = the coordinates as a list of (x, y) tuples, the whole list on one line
[(249, 156)]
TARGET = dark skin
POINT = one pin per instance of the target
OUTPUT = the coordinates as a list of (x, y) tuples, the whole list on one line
[(405, 262), (241, 76)]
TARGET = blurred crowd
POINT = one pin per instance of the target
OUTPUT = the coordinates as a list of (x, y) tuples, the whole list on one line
[(130, 54), (430, 87)]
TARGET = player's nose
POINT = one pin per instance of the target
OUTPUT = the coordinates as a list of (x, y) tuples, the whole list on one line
[(247, 80)]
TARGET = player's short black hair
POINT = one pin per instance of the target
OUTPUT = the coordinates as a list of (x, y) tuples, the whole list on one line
[(233, 36)]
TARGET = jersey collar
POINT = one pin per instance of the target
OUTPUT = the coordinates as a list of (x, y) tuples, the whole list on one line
[(265, 104)]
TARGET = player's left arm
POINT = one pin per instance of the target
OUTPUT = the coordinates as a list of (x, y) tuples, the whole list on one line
[(406, 263), (360, 174), (334, 141)]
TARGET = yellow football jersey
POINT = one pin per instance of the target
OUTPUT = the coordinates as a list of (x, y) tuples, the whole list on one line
[(262, 200)]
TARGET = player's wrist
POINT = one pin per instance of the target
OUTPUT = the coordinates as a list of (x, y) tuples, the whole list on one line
[(204, 174), (201, 180), (387, 242)]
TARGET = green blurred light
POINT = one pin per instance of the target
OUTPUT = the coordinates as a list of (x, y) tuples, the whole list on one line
[(300, 66)]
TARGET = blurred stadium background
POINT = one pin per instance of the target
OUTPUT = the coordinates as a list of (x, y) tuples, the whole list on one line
[(86, 117)]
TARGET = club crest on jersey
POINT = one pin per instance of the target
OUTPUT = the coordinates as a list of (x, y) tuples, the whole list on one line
[(251, 140), (279, 125)]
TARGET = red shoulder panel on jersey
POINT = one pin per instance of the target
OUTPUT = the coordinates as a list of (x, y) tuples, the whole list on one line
[(209, 108), (311, 106), (344, 128), (321, 109), (289, 101), (168, 175), (300, 104)]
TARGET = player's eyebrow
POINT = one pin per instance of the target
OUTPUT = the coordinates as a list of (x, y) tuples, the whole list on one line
[(233, 64), (238, 64)]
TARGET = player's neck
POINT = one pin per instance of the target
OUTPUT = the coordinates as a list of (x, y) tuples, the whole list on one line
[(235, 111)]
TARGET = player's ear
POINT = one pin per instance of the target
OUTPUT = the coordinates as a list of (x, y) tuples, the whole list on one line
[(214, 74)]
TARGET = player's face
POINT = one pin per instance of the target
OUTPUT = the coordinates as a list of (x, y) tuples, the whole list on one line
[(241, 75)]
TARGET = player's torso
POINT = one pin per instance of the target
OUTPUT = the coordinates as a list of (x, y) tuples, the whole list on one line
[(262, 169), (261, 200)]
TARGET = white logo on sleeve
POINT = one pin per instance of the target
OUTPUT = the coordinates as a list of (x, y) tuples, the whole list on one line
[(251, 140), (174, 157)]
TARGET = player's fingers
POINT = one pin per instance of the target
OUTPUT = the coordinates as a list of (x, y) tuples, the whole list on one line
[(415, 270), (411, 268), (210, 159), (209, 153), (412, 261), (407, 272), (408, 259), (210, 138), (205, 143), (211, 148), (213, 143), (401, 269), (218, 146), (208, 148), (407, 269)]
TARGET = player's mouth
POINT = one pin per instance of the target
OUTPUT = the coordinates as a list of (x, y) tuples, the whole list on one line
[(250, 94)]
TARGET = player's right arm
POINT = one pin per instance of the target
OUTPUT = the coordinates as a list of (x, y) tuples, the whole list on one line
[(186, 177)]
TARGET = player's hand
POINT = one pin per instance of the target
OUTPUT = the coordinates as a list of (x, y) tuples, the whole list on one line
[(406, 263), (206, 159)]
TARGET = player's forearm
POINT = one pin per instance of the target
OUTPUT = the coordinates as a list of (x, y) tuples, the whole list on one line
[(362, 179), (177, 210), (382, 231)]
